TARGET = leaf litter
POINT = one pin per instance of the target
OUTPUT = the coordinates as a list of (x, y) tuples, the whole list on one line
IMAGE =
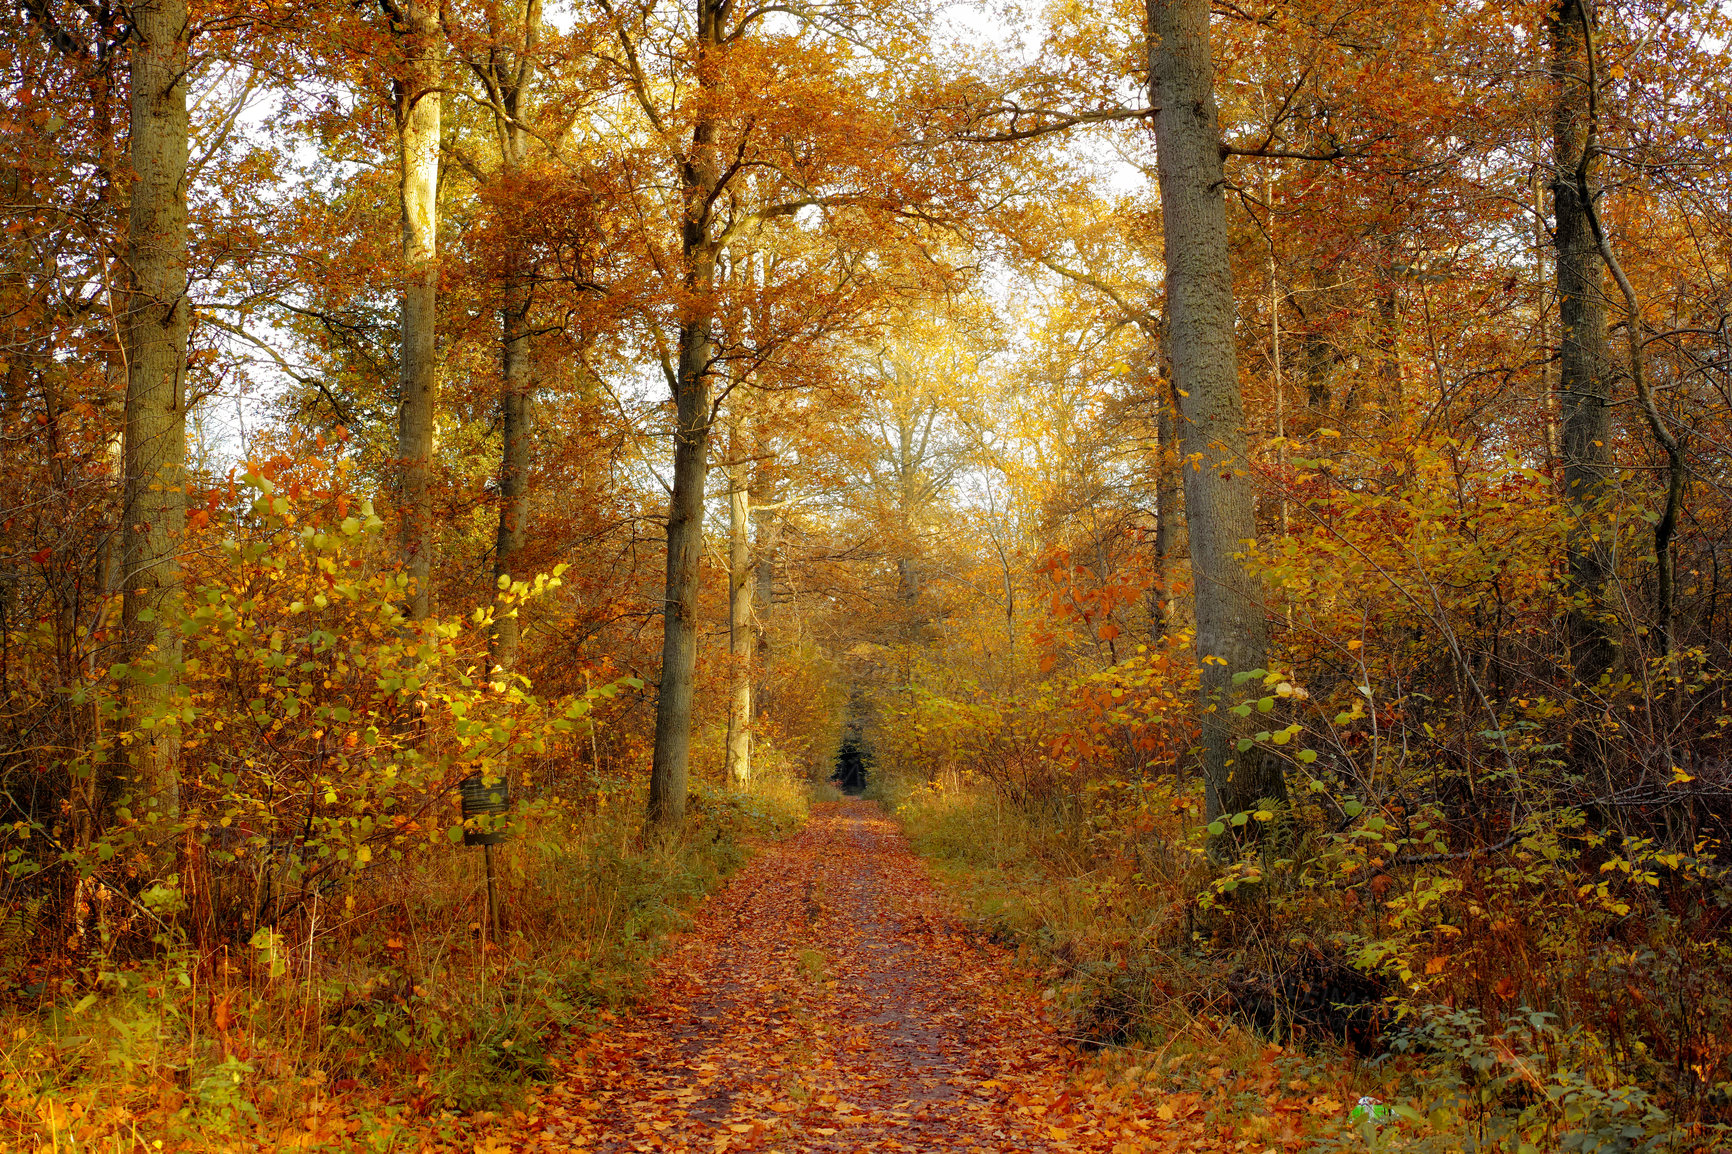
[(826, 1000)]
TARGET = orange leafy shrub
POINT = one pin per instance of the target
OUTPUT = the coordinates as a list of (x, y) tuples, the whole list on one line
[(1513, 894), (298, 932)]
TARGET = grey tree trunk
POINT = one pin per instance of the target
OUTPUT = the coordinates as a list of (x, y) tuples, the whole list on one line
[(508, 78), (156, 324), (1584, 377), (700, 176), (740, 640), (668, 770), (1388, 331), (1219, 503), (418, 101), (764, 570), (516, 441), (1167, 514)]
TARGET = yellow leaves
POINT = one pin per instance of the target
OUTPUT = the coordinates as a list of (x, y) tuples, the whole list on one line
[(57, 1115)]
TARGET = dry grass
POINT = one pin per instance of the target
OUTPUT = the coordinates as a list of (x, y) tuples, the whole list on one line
[(377, 1008)]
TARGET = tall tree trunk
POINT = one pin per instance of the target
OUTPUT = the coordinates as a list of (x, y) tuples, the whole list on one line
[(668, 771), (157, 319), (1584, 381), (739, 626), (764, 571), (1666, 522), (1166, 511), (516, 440), (700, 177), (418, 99), (508, 82), (1388, 343), (1232, 635)]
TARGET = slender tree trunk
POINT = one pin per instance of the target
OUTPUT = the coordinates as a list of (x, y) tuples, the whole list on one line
[(1388, 330), (1666, 522), (418, 98), (764, 572), (1232, 635), (699, 179), (1319, 360), (509, 83), (516, 441), (1584, 382), (157, 319), (739, 627), (908, 462)]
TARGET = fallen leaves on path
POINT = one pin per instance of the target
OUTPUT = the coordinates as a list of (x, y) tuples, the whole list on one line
[(827, 1001)]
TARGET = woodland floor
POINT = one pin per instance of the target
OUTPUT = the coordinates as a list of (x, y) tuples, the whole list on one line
[(827, 1000)]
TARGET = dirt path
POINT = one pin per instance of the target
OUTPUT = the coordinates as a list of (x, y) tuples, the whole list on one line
[(825, 1002)]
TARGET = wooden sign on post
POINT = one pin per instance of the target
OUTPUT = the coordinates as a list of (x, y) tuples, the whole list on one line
[(483, 798)]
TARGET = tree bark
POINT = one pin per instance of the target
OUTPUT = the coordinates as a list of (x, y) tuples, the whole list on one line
[(700, 177), (418, 102), (1388, 332), (516, 441), (764, 571), (508, 81), (1232, 634), (668, 771), (1666, 522), (1167, 511), (1584, 379), (740, 580), (157, 320)]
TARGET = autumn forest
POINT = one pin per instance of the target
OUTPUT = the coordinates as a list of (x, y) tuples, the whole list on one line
[(866, 575)]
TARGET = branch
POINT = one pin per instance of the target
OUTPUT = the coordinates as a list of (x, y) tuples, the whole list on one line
[(1142, 318), (639, 86), (287, 369), (58, 38), (1336, 152), (1050, 121)]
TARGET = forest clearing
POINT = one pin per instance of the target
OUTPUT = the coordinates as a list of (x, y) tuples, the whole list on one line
[(609, 575)]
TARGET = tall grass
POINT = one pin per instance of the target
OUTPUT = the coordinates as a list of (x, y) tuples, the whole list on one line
[(383, 1006), (1197, 990)]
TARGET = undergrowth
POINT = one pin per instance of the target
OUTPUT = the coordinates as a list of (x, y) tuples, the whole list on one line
[(386, 1007), (1127, 946)]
